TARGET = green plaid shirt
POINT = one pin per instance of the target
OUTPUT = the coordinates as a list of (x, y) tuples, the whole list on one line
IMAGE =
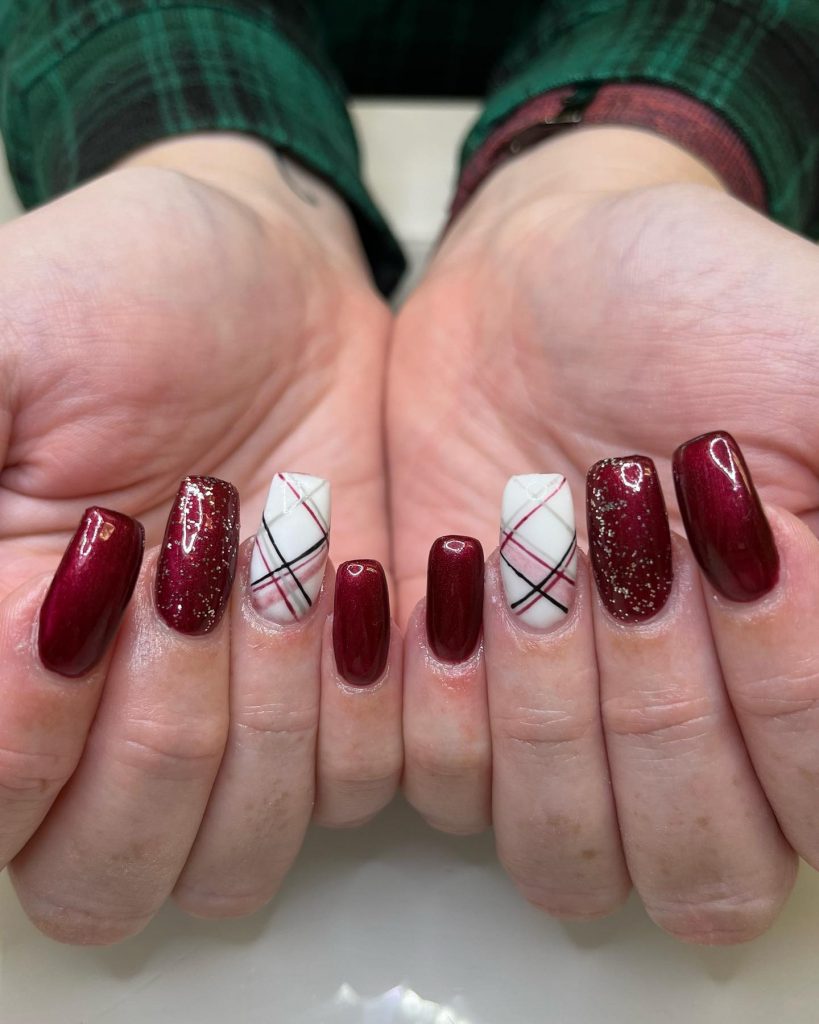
[(86, 81)]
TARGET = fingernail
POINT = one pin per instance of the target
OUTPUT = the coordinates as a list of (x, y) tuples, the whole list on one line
[(287, 565), (726, 526), (454, 597), (361, 622), (90, 591), (197, 562), (538, 548), (629, 539)]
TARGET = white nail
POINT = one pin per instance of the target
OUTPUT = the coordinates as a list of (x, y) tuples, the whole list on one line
[(287, 565), (538, 548)]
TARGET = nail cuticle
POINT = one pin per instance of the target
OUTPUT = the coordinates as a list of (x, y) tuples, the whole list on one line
[(259, 622), (169, 635), (446, 671), (356, 689), (662, 621), (534, 635), (452, 672), (757, 608)]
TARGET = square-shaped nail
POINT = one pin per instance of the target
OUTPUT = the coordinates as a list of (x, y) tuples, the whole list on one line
[(197, 561), (361, 622), (723, 516), (290, 552), (90, 591), (454, 597), (629, 538), (538, 548)]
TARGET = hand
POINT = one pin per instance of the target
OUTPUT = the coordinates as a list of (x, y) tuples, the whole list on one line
[(187, 313), (601, 296)]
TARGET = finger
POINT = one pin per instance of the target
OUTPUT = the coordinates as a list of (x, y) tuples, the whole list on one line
[(763, 607), (702, 845), (54, 652), (108, 854), (261, 804), (448, 751), (553, 810), (360, 750)]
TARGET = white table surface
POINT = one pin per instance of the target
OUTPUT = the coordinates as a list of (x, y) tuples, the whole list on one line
[(395, 903)]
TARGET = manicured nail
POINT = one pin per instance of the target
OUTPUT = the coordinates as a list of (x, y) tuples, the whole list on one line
[(197, 562), (454, 597), (629, 539), (361, 622), (90, 591), (726, 526), (287, 565), (538, 548)]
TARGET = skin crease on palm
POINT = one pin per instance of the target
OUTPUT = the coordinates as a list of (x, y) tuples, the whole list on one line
[(155, 324), (601, 295)]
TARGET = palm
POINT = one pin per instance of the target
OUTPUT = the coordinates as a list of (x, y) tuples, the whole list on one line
[(584, 328), (154, 327)]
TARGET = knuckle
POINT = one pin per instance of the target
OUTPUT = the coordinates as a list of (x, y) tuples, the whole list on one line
[(354, 794), (538, 732), (360, 771), (270, 721), (335, 818), (32, 776), (361, 778), (664, 718), (345, 809), (790, 700), (466, 761), (716, 920), (175, 750)]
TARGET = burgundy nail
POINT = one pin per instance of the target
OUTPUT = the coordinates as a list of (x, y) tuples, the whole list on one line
[(197, 562), (454, 597), (723, 517), (361, 622), (629, 539), (90, 591)]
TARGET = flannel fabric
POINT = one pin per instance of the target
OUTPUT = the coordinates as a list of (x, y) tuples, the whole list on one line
[(83, 82)]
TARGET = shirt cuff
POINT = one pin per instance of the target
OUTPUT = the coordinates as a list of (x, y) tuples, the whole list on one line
[(754, 63), (84, 89), (667, 112)]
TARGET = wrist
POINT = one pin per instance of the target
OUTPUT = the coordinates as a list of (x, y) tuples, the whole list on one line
[(578, 164), (605, 159), (271, 184), (614, 158)]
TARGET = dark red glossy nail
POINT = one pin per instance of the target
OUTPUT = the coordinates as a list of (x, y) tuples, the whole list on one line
[(454, 597), (90, 591), (197, 562), (723, 517), (361, 622), (629, 538)]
